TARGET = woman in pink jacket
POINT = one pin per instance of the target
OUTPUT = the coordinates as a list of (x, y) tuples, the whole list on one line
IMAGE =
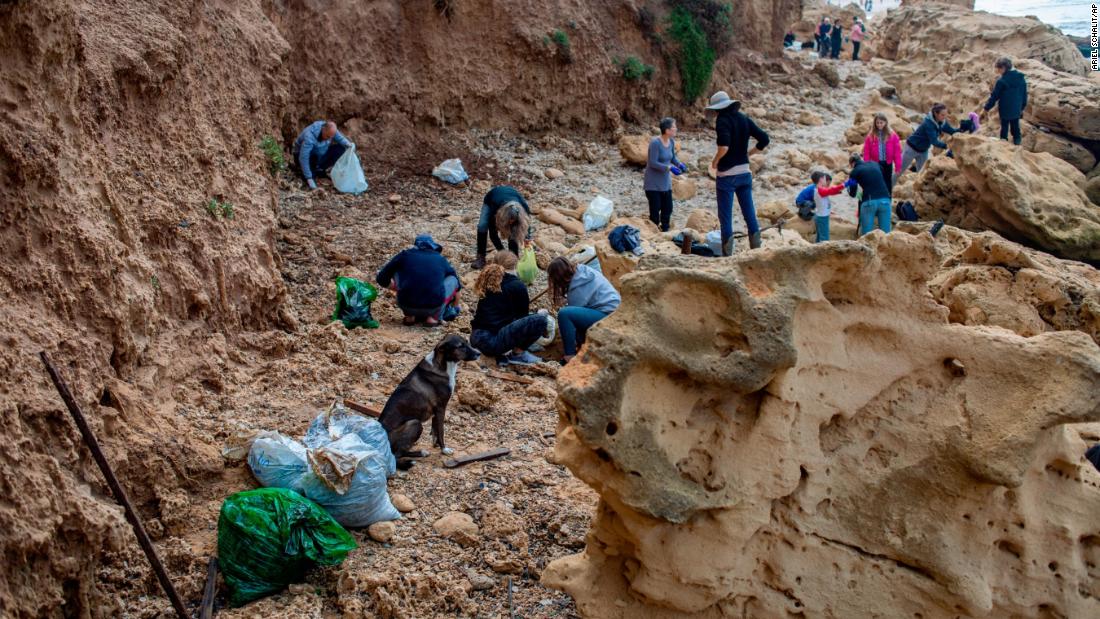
[(884, 146)]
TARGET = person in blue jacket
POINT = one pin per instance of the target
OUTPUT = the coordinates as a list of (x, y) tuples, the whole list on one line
[(316, 150), (427, 285), (924, 137), (1010, 96)]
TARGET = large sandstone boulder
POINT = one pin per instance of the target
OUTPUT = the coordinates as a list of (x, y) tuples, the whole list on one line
[(945, 54), (702, 220), (683, 187), (916, 30), (897, 463), (634, 149), (1032, 198), (1040, 141)]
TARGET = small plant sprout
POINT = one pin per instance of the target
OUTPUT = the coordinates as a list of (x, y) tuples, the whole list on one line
[(276, 161)]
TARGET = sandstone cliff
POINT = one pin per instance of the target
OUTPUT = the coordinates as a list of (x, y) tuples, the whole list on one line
[(811, 431)]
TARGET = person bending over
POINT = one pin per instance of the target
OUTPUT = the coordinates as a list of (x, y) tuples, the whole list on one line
[(867, 175), (924, 137), (502, 326), (504, 214), (585, 298), (316, 150), (427, 285)]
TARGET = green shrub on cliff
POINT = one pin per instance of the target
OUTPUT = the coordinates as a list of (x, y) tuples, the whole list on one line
[(634, 69), (695, 56)]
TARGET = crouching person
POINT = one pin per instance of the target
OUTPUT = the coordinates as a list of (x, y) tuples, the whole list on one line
[(317, 149), (427, 285), (502, 325), (587, 298)]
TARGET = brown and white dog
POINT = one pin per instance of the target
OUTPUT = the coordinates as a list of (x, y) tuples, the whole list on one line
[(423, 396)]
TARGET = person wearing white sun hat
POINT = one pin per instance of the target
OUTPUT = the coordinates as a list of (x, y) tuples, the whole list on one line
[(730, 167)]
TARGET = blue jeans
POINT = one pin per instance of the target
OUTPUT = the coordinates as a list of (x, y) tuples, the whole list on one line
[(741, 186), (822, 225), (574, 323), (871, 210)]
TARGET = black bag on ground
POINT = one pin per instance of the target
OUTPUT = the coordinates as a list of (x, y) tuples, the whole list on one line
[(906, 212), (805, 210)]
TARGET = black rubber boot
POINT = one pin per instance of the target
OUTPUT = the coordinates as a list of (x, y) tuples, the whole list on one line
[(754, 241), (479, 263)]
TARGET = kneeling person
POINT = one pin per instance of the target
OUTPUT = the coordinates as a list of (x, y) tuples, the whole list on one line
[(427, 285), (314, 151), (502, 326)]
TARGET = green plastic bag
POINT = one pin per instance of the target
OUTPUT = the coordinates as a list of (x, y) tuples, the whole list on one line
[(269, 538), (353, 299), (528, 268)]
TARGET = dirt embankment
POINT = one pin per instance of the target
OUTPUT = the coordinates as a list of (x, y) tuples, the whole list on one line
[(120, 123)]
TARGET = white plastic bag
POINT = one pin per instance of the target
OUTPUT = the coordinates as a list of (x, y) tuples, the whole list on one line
[(347, 174), (451, 171), (598, 214), (344, 468), (714, 241), (551, 329)]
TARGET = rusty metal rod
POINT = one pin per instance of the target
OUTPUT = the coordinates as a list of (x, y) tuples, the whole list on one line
[(116, 488)]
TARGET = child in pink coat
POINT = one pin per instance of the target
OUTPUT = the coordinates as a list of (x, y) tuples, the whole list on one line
[(884, 146)]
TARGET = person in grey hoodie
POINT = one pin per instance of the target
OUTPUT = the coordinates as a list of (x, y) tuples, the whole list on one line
[(585, 297), (660, 164)]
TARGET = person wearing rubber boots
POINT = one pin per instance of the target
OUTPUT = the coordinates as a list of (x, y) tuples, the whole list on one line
[(730, 167)]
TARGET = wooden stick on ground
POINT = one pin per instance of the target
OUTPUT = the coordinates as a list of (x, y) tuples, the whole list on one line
[(206, 609), (116, 488), (515, 378), (478, 457), (363, 408)]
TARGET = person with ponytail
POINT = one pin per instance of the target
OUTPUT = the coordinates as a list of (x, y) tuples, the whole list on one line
[(587, 298), (502, 326), (504, 215)]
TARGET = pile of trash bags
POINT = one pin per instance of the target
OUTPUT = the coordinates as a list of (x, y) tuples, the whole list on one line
[(342, 465), (353, 300), (269, 538)]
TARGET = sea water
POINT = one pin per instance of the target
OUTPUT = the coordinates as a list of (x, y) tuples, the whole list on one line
[(1071, 16)]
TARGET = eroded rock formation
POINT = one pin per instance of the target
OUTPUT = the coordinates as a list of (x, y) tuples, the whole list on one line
[(812, 431), (1032, 198)]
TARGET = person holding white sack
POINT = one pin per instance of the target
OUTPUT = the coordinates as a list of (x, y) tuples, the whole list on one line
[(317, 149)]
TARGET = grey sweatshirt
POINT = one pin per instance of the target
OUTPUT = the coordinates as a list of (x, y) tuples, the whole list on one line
[(657, 176), (591, 289)]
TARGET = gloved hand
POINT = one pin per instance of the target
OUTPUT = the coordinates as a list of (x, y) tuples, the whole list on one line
[(683, 168), (312, 183), (675, 171), (848, 184), (351, 145)]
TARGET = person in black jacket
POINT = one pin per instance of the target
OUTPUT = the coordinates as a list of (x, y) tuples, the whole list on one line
[(823, 38), (427, 285), (837, 35), (1010, 97), (730, 167), (924, 137), (502, 327), (875, 202), (505, 213)]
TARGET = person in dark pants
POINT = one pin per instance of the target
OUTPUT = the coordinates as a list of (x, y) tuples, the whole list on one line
[(660, 165), (316, 150), (883, 145), (427, 285), (837, 35), (856, 36), (505, 213), (823, 38), (1010, 97), (502, 326), (731, 167), (867, 175)]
